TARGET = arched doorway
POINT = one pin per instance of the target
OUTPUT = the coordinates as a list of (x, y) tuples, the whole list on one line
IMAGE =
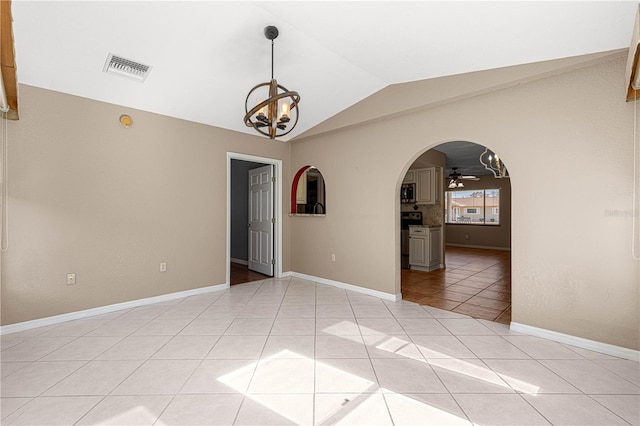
[(472, 207)]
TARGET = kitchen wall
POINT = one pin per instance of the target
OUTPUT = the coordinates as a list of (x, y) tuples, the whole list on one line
[(573, 272), (89, 197), (488, 236)]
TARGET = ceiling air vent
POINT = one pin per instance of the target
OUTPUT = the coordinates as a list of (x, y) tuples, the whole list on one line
[(126, 68)]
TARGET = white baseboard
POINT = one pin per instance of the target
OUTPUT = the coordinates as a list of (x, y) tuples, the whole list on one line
[(239, 261), (478, 247), (592, 345), (350, 287), (56, 319)]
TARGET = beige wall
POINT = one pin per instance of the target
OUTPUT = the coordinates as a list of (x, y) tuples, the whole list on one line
[(572, 273), (496, 236), (90, 197), (109, 204)]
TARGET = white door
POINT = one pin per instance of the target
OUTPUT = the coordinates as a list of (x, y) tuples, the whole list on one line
[(261, 220)]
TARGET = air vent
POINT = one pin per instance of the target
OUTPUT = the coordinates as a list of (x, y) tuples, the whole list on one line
[(126, 68)]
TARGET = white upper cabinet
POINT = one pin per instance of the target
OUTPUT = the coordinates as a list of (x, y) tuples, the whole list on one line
[(410, 177), (426, 185)]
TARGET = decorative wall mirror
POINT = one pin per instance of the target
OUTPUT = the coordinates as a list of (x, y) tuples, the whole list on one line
[(308, 192)]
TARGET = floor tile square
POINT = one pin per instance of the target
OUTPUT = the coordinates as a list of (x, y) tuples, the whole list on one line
[(34, 349), (294, 327), (250, 327), (625, 406), (186, 347), (466, 327), (157, 377), (201, 410), (83, 348), (52, 411), (221, 376), (126, 410), (345, 376), (289, 347), (379, 326), (37, 377), (428, 409), (468, 376), (529, 376), (503, 410), (539, 348), (591, 378), (418, 326), (135, 347), (274, 409), (387, 346), (283, 376), (351, 409), (297, 311), (337, 327), (340, 347), (10, 405), (334, 311), (492, 347), (94, 378), (441, 347), (573, 410), (238, 347), (406, 376), (207, 327)]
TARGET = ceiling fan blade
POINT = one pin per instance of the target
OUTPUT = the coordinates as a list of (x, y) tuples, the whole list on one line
[(469, 177)]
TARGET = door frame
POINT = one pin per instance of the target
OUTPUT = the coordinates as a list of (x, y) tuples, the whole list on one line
[(277, 209)]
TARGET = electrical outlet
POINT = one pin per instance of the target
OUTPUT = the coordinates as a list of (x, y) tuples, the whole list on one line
[(163, 267), (71, 279), (333, 257)]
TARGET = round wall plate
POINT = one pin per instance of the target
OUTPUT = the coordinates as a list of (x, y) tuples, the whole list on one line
[(126, 121)]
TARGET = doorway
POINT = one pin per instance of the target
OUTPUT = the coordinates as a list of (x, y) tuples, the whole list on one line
[(475, 215), (237, 261)]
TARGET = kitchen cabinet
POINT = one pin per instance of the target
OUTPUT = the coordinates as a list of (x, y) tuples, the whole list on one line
[(439, 183), (410, 177), (426, 185), (301, 192), (425, 248)]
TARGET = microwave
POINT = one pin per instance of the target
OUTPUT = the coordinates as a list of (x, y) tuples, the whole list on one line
[(408, 193)]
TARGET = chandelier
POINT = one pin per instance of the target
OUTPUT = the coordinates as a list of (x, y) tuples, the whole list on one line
[(275, 110), (494, 164)]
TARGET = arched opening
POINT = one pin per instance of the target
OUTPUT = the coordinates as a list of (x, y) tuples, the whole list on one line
[(308, 192), (456, 232)]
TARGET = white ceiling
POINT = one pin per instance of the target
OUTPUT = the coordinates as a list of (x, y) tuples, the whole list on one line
[(207, 55)]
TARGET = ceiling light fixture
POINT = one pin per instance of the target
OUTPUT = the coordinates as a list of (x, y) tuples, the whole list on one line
[(494, 164), (455, 179), (275, 112)]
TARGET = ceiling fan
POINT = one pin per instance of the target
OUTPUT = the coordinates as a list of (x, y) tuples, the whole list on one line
[(455, 178)]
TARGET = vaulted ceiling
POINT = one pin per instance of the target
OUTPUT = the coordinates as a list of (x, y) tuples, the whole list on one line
[(207, 55)]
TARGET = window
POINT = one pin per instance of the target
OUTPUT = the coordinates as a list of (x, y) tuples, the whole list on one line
[(476, 207)]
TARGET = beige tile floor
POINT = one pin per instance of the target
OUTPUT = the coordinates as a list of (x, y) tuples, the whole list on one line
[(293, 352)]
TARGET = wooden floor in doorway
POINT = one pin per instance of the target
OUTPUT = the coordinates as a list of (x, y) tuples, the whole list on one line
[(476, 282), (242, 274)]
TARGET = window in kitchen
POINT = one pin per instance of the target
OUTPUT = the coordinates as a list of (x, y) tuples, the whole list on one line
[(475, 207)]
